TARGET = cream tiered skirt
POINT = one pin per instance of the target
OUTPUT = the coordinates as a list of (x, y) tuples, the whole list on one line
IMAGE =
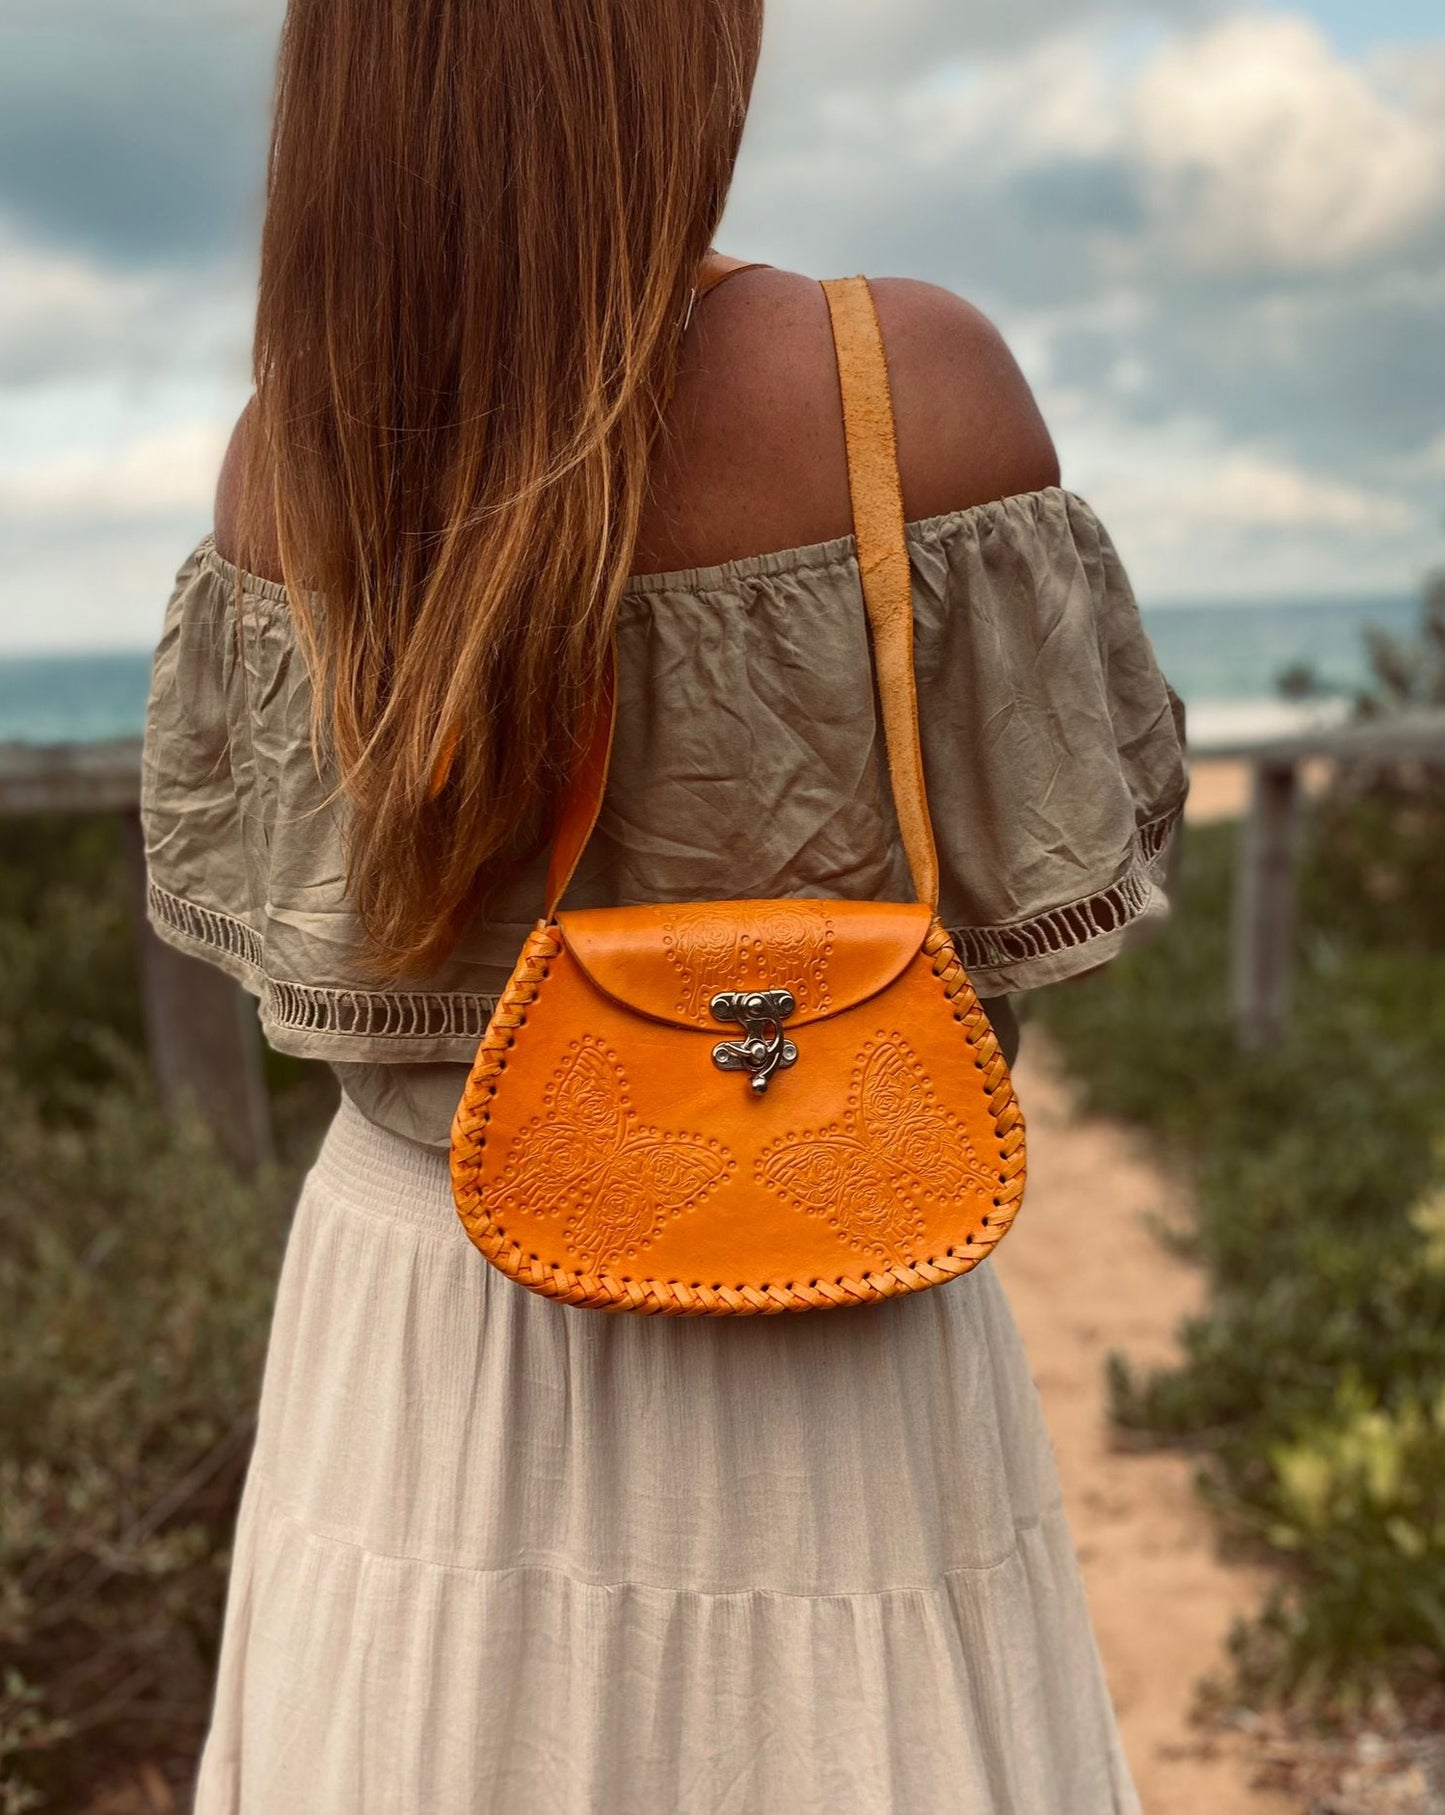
[(501, 1557)]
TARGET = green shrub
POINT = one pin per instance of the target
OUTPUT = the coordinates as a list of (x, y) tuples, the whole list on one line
[(1381, 831), (1359, 1500), (1316, 1172), (67, 956), (136, 1275)]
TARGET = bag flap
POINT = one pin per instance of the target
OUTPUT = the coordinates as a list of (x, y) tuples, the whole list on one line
[(669, 961)]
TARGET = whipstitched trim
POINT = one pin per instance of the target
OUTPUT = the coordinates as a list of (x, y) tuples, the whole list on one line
[(984, 948)]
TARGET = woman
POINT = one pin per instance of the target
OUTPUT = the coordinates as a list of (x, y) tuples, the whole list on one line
[(496, 1554)]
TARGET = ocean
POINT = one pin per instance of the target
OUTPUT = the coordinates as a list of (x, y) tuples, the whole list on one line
[(73, 699), (1223, 659)]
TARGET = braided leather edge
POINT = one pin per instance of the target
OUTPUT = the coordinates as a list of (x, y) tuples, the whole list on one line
[(673, 1298)]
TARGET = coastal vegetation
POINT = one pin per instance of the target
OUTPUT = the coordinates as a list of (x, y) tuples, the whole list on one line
[(136, 1275), (1312, 1386)]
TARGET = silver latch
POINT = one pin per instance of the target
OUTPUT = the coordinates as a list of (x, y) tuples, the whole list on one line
[(763, 1048)]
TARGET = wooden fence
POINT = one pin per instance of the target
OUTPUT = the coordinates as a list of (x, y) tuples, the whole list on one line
[(1264, 896), (201, 1029)]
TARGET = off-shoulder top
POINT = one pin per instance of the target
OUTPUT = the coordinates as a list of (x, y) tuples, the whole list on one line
[(749, 762)]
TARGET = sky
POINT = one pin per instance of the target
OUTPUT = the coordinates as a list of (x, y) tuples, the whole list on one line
[(1213, 234)]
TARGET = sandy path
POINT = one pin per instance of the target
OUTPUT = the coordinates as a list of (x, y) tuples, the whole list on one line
[(1085, 1275), (1219, 788)]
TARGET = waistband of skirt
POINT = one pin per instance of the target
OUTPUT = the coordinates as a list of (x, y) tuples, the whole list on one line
[(372, 1170)]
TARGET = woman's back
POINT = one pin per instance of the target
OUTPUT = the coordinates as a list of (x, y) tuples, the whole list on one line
[(748, 759), (751, 457)]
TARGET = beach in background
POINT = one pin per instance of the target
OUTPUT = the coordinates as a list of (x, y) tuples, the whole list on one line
[(1224, 660)]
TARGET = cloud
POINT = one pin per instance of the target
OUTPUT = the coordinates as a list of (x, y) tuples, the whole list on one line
[(117, 387), (1263, 150), (1219, 251), (136, 128), (1430, 461), (163, 475), (97, 586), (1216, 242), (1246, 148), (819, 46), (1349, 372), (1201, 518), (67, 314), (1243, 490)]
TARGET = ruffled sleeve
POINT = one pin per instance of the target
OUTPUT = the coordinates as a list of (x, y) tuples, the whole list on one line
[(246, 840), (1054, 747), (749, 763), (199, 835)]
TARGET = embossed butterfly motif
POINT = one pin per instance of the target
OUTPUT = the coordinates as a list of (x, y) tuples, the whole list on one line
[(618, 1182), (895, 1149)]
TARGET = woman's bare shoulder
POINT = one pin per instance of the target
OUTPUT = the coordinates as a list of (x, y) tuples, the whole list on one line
[(969, 428), (755, 457), (265, 559)]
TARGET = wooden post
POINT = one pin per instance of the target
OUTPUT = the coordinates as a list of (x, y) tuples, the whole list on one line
[(202, 1035), (1264, 908)]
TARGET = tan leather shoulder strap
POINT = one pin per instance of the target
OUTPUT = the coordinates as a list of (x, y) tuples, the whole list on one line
[(883, 564), (583, 801), (882, 536)]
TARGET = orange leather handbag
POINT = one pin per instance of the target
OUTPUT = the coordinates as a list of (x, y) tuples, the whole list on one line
[(742, 1107)]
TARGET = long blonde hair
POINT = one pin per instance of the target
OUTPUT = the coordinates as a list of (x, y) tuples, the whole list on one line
[(484, 223)]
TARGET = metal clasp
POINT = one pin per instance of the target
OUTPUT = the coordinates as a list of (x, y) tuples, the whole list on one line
[(763, 1049)]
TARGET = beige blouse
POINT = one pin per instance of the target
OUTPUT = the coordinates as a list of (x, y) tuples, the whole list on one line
[(749, 762)]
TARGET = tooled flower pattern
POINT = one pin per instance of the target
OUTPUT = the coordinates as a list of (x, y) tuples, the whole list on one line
[(589, 1158), (895, 1150), (785, 945)]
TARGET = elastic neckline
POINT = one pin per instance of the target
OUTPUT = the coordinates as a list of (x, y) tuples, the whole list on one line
[(837, 552)]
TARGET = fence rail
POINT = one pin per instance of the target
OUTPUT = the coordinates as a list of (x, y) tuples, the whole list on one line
[(1262, 963), (70, 778)]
